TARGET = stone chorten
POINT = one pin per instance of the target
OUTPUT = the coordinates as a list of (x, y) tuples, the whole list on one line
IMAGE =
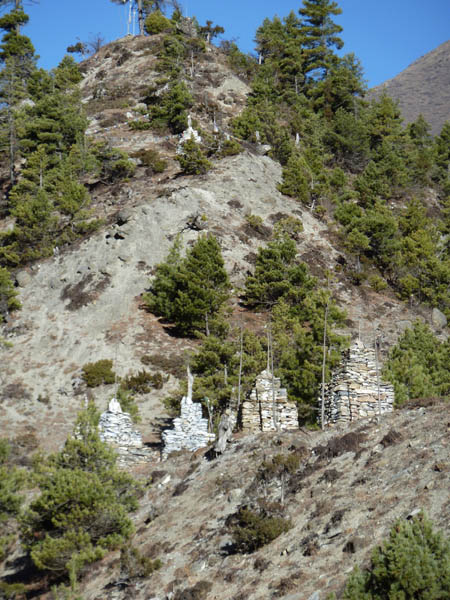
[(190, 430), (257, 410), (188, 134), (116, 428), (352, 392)]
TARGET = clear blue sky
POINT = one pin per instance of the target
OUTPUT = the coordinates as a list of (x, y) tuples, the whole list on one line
[(386, 35)]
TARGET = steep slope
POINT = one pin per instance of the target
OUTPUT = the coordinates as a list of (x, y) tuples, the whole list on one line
[(423, 88), (349, 489), (84, 304)]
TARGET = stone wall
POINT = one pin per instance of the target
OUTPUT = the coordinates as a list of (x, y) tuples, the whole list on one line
[(190, 430), (352, 392), (257, 409)]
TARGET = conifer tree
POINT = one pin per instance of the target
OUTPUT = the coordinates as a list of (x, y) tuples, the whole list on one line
[(191, 292), (320, 36), (18, 60), (8, 294), (82, 510), (414, 562)]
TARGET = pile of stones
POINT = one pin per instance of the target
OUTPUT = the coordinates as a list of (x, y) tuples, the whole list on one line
[(258, 408), (116, 428), (190, 430), (354, 387)]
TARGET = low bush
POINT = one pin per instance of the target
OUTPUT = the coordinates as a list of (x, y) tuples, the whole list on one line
[(156, 23), (229, 148), (151, 159), (133, 564), (98, 373), (192, 159), (253, 530), (139, 125)]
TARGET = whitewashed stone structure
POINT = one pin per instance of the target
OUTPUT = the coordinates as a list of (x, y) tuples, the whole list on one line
[(190, 430), (116, 428), (352, 392), (257, 409), (188, 134)]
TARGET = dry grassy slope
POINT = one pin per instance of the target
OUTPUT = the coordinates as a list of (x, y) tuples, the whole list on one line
[(84, 304), (352, 485), (423, 88)]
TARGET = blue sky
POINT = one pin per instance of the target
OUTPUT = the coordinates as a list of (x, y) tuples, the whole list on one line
[(386, 35)]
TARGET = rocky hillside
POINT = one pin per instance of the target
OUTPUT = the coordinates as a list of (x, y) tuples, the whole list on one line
[(348, 490), (423, 88), (85, 304)]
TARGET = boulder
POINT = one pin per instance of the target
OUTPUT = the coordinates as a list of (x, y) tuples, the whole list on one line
[(438, 319)]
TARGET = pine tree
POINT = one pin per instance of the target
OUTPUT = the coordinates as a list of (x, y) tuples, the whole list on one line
[(320, 35), (277, 275), (82, 510), (191, 292), (413, 563), (19, 61)]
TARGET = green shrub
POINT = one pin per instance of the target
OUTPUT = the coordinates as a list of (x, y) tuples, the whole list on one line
[(414, 563), (139, 125), (253, 530), (229, 148), (133, 564), (12, 591), (142, 382), (152, 159), (377, 283), (98, 373), (192, 159), (156, 22), (256, 225), (290, 226)]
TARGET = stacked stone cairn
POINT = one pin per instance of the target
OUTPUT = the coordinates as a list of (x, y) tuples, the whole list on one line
[(190, 430), (352, 392), (257, 409), (116, 429)]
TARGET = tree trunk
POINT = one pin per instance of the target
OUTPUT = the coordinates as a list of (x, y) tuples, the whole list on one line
[(141, 17), (240, 374), (376, 341), (324, 355)]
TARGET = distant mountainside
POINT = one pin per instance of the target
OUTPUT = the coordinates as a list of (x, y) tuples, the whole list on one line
[(424, 87)]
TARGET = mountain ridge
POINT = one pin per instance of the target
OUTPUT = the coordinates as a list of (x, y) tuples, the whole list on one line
[(422, 88)]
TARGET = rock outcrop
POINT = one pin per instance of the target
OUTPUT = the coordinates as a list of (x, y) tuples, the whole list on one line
[(258, 409), (353, 390)]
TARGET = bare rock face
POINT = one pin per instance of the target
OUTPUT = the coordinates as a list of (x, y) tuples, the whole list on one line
[(438, 319)]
